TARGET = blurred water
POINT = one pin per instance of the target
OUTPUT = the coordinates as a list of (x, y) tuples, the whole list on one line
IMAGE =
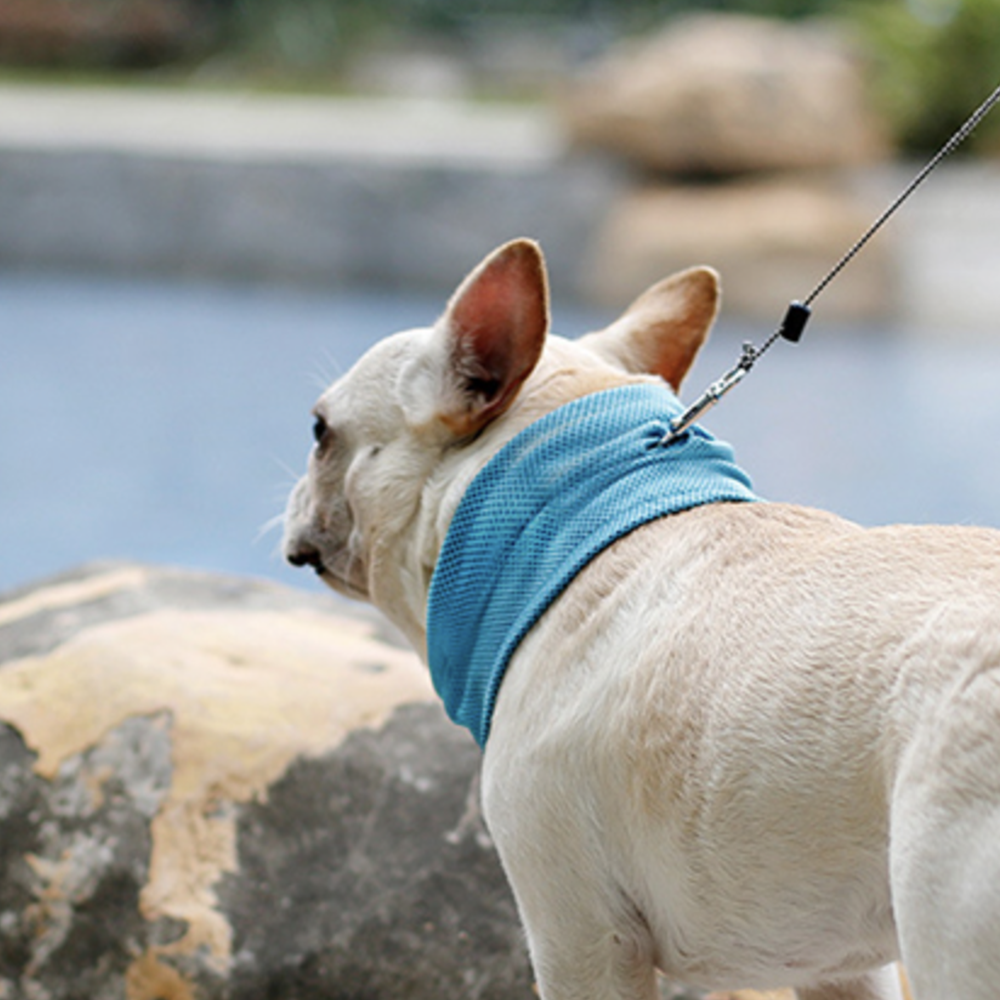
[(165, 422)]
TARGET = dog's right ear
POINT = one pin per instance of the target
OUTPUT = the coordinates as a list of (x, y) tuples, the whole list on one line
[(662, 331), (492, 334)]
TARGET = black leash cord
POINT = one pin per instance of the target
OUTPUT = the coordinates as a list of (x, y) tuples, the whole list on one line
[(797, 315)]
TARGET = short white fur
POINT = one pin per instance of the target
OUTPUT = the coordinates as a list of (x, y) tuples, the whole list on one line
[(752, 745)]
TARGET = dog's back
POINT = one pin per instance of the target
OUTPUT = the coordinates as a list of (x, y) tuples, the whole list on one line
[(747, 705)]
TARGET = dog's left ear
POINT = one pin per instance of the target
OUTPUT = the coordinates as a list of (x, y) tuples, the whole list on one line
[(663, 330), (494, 330)]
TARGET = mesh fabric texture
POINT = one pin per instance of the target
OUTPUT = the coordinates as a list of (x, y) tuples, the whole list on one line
[(550, 500)]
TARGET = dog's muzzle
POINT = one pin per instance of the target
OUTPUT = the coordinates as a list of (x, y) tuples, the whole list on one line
[(303, 553), (299, 547)]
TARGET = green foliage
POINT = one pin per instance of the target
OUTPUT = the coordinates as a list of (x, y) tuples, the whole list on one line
[(309, 36), (304, 37), (934, 62)]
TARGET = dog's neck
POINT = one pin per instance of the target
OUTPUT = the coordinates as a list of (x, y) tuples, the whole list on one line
[(549, 501), (401, 589)]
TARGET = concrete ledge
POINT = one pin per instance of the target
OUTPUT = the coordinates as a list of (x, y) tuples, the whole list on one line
[(270, 128), (393, 192), (400, 193)]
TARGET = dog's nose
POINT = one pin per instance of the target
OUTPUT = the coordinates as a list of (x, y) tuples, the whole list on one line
[(305, 554)]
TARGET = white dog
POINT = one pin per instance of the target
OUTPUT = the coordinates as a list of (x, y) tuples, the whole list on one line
[(742, 742)]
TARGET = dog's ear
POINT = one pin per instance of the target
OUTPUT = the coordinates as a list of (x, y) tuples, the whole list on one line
[(663, 330), (494, 330)]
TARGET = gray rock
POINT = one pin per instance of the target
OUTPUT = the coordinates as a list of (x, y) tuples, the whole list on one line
[(165, 833), (74, 857), (367, 873), (219, 788)]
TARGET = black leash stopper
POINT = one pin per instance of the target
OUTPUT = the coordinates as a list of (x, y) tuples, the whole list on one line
[(794, 322), (796, 317), (798, 313)]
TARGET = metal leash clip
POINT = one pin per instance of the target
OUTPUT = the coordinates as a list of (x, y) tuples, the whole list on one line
[(711, 395), (791, 329)]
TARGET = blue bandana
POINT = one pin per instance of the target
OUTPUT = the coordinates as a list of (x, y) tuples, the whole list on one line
[(550, 500)]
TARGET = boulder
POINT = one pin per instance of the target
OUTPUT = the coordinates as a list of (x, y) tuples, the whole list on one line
[(214, 787), (223, 788), (722, 94), (771, 239)]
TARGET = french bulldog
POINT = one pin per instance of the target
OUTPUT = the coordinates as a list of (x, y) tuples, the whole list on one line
[(742, 742)]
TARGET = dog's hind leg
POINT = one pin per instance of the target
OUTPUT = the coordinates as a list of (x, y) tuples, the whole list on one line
[(584, 946), (883, 984), (945, 848), (588, 936), (610, 965)]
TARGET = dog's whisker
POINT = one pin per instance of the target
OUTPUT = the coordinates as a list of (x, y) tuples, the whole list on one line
[(330, 370), (334, 363), (280, 491), (292, 474), (272, 524)]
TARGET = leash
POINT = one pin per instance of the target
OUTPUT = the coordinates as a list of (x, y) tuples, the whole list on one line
[(797, 315)]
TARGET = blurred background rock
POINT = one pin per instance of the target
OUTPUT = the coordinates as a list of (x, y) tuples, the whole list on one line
[(677, 96), (759, 136)]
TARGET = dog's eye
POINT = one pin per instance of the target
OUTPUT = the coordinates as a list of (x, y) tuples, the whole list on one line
[(320, 430)]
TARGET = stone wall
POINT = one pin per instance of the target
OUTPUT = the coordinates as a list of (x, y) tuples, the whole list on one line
[(403, 193), (385, 193)]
